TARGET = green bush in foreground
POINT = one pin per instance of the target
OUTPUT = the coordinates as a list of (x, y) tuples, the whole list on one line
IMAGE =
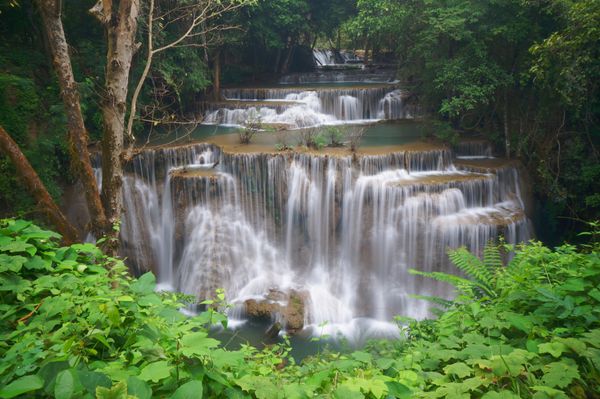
[(75, 324)]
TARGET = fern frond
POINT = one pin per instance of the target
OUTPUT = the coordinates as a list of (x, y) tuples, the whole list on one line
[(471, 265), (462, 284), (492, 259), (444, 303)]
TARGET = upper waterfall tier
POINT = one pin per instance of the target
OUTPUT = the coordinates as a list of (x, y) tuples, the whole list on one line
[(311, 106), (345, 76), (339, 230), (328, 58)]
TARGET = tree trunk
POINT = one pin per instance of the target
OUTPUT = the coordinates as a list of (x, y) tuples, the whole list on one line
[(506, 130), (120, 19), (37, 189), (78, 135), (217, 77), (288, 58), (277, 61)]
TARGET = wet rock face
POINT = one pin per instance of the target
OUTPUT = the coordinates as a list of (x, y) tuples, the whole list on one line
[(294, 312), (286, 306), (261, 309)]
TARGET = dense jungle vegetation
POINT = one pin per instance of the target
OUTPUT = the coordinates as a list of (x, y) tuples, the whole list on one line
[(76, 324)]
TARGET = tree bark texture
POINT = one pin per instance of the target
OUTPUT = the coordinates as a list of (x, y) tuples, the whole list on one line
[(217, 77), (121, 24), (78, 135), (37, 188), (506, 129)]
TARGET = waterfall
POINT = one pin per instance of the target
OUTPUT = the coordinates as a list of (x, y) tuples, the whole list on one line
[(340, 231), (344, 76), (300, 108), (324, 57)]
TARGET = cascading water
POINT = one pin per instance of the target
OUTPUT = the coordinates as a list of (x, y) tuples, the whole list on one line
[(316, 240), (340, 232), (300, 108)]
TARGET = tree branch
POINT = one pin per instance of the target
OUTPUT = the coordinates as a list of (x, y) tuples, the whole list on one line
[(37, 188)]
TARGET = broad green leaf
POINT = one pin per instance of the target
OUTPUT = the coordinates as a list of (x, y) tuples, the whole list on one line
[(543, 392), (576, 345), (18, 225), (18, 247), (118, 391), (189, 390), (64, 388), (362, 356), (397, 390), (346, 392), (197, 343), (149, 300), (48, 373), (408, 377), (262, 386), (28, 383), (595, 293), (316, 380), (145, 284), (518, 321), (11, 262), (453, 390), (384, 363), (554, 348), (172, 315), (156, 371), (574, 285), (92, 380), (139, 388), (500, 395), (125, 298), (560, 374), (593, 338), (37, 263), (224, 359), (14, 283), (459, 369), (296, 391)]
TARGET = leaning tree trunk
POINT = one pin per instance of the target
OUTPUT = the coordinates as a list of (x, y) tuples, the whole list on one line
[(120, 20), (78, 135), (36, 188)]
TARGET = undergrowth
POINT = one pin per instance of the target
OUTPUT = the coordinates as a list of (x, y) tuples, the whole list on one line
[(75, 324)]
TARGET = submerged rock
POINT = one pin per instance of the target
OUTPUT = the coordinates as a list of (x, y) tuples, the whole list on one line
[(288, 308), (293, 313), (261, 309)]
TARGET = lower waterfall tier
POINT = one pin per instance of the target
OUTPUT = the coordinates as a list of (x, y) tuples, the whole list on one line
[(309, 239)]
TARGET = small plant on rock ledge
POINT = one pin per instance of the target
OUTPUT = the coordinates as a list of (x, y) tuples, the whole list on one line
[(252, 125)]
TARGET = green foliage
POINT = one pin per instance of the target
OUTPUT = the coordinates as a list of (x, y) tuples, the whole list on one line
[(532, 338), (252, 125), (333, 136), (568, 61), (23, 116), (75, 324), (19, 101)]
